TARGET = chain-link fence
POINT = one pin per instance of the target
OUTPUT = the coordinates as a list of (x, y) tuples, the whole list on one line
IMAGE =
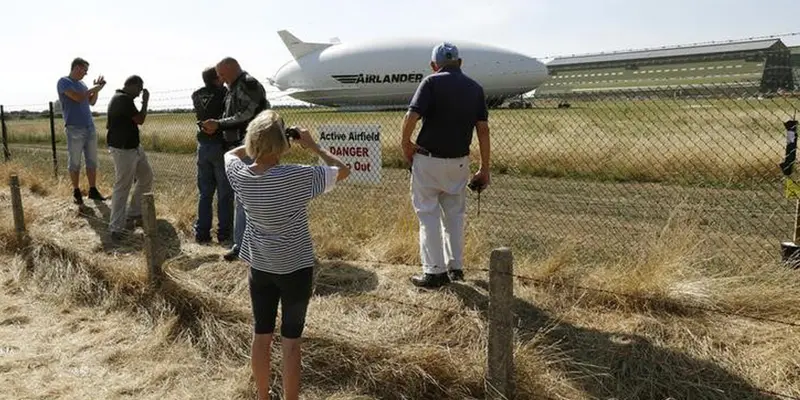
[(600, 153)]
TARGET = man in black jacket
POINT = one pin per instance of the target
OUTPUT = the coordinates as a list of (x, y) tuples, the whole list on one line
[(246, 98), (209, 103)]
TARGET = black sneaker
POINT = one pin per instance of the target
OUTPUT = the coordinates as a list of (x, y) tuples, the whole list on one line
[(202, 239), (455, 275), (118, 236), (94, 194), (134, 222), (232, 255), (430, 280), (78, 196)]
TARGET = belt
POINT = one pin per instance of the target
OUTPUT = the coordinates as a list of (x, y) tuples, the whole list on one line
[(424, 152)]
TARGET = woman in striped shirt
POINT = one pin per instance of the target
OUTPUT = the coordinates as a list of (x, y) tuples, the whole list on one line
[(277, 241)]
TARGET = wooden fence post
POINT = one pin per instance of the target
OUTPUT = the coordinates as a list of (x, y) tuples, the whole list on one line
[(151, 249), (23, 240), (500, 368), (16, 205)]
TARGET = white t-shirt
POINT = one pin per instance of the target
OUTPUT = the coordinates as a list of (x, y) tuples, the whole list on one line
[(277, 238)]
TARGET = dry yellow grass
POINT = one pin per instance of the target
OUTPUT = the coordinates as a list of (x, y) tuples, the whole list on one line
[(114, 337)]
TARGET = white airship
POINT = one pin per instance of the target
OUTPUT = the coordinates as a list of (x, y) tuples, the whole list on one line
[(385, 73)]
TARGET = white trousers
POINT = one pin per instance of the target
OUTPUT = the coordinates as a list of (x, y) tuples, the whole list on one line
[(438, 194), (129, 165)]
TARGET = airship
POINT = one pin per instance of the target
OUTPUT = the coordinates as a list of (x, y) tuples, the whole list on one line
[(385, 73)]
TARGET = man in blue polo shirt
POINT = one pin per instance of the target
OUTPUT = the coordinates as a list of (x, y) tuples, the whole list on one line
[(451, 105), (76, 100)]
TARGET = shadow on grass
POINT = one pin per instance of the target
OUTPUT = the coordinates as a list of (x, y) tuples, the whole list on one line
[(99, 218), (617, 365), (338, 277)]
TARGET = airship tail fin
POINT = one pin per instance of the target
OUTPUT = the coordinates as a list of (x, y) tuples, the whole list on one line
[(299, 48)]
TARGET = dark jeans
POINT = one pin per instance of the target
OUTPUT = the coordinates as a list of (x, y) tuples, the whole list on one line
[(240, 218), (292, 290), (210, 178)]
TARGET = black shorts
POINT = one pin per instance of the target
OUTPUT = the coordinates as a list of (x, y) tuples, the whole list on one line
[(292, 290)]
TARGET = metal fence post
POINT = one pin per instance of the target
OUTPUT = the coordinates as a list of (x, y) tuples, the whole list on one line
[(151, 250), (53, 140), (500, 368), (6, 153)]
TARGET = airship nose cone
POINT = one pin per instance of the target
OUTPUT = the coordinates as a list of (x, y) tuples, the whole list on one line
[(285, 75)]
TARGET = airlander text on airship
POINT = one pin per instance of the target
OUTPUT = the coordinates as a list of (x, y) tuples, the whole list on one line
[(372, 78)]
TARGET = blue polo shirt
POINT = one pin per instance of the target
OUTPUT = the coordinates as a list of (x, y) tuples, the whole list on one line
[(75, 113), (450, 104)]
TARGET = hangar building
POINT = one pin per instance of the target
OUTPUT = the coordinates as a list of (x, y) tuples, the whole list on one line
[(762, 66), (796, 64)]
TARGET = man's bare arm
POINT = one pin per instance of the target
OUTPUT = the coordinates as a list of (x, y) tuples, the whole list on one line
[(482, 128), (409, 123), (79, 97), (93, 97)]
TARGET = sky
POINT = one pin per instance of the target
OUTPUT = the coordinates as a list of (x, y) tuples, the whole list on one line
[(169, 42)]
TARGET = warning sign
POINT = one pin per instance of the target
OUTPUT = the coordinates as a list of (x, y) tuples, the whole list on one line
[(359, 146)]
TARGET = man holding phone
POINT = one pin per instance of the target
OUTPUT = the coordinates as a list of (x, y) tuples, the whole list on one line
[(209, 103), (76, 100), (130, 161), (245, 99)]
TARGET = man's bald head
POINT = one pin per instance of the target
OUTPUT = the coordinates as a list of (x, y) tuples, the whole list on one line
[(228, 70)]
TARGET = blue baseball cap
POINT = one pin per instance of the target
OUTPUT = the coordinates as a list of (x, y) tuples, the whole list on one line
[(444, 52)]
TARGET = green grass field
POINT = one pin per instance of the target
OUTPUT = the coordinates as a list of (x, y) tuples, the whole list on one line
[(609, 170), (708, 142)]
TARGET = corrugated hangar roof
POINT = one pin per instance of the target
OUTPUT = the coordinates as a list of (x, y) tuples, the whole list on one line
[(666, 52)]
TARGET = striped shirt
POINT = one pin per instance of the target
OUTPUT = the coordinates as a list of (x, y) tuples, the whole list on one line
[(277, 238)]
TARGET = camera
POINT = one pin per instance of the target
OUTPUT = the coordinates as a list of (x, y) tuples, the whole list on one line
[(292, 133), (475, 186)]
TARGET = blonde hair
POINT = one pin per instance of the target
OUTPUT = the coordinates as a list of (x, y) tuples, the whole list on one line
[(265, 135)]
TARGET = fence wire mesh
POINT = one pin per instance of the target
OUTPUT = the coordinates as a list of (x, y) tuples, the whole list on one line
[(604, 152)]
